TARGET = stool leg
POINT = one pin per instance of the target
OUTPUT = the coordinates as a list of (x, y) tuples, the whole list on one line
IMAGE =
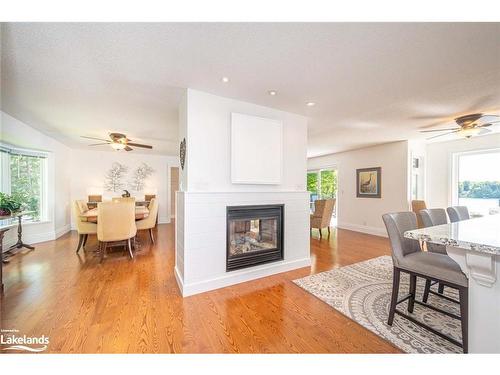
[(413, 289), (440, 288), (394, 296), (426, 290), (464, 317)]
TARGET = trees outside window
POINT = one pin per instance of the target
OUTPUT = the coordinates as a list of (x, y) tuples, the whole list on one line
[(23, 178)]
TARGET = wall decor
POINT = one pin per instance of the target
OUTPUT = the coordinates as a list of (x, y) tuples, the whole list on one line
[(256, 150), (369, 182), (140, 175), (182, 152), (113, 180)]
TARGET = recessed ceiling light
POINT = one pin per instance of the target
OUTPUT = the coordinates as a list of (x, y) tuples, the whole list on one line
[(225, 79), (310, 104), (272, 92)]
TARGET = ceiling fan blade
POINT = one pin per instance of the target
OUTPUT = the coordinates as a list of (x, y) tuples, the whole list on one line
[(98, 144), (479, 103), (94, 138), (139, 145), (489, 123), (437, 130), (440, 135), (128, 148)]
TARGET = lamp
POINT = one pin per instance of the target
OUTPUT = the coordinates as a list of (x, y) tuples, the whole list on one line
[(469, 132), (118, 145)]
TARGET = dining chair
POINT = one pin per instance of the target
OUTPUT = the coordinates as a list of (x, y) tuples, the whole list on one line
[(323, 211), (416, 206), (149, 222), (148, 197), (82, 227), (115, 222), (458, 213), (407, 257), (123, 199)]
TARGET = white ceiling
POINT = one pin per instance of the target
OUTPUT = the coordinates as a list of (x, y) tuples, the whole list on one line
[(368, 80)]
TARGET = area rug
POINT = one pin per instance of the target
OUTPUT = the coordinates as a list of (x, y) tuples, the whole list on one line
[(362, 292)]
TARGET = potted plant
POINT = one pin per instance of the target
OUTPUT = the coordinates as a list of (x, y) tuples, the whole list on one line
[(9, 204)]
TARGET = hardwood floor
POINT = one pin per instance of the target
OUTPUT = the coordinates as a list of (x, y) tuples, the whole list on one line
[(134, 306)]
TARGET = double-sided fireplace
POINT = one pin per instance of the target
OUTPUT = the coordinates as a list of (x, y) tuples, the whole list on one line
[(254, 235)]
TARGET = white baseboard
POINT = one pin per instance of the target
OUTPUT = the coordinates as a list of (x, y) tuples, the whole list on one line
[(375, 231), (236, 277), (163, 220), (34, 238), (62, 231)]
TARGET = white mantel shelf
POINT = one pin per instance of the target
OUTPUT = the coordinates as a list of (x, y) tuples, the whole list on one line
[(475, 245)]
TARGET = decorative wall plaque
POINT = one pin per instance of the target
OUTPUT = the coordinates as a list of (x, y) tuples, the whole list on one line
[(182, 152)]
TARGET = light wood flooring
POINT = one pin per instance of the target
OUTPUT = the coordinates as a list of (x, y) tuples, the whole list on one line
[(134, 306)]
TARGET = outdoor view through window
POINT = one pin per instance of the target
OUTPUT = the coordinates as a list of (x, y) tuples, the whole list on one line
[(479, 182)]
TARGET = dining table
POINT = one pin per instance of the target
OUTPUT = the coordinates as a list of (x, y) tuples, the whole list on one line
[(475, 245), (141, 212)]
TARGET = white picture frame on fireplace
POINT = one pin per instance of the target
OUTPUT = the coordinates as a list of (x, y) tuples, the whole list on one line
[(256, 150)]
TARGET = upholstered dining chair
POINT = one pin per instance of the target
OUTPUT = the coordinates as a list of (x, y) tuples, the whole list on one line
[(407, 257), (458, 213), (150, 222), (115, 222), (123, 199), (416, 206), (82, 227), (323, 211)]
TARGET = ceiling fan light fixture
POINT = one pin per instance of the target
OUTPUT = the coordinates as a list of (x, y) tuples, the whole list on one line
[(118, 145), (469, 132)]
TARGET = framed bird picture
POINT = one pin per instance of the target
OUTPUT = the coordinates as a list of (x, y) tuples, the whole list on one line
[(369, 182)]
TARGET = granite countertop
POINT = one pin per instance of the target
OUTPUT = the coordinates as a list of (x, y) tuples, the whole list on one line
[(479, 234)]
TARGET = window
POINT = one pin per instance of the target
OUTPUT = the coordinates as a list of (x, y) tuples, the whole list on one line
[(24, 177), (477, 181), (322, 184)]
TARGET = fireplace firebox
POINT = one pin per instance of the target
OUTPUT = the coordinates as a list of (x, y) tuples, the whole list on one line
[(254, 235)]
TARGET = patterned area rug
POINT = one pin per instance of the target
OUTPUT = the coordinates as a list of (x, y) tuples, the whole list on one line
[(362, 292)]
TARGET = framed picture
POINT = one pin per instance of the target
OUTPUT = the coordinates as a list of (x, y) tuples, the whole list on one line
[(369, 182)]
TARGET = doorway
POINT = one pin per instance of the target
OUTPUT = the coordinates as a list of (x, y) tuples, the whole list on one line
[(174, 187), (323, 184)]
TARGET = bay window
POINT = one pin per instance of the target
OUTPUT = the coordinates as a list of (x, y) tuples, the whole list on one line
[(24, 176)]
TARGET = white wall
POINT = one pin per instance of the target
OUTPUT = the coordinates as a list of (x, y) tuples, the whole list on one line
[(58, 216), (365, 214), (209, 144), (207, 191), (91, 165), (439, 165)]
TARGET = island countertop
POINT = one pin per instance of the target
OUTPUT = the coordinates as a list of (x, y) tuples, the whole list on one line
[(479, 234)]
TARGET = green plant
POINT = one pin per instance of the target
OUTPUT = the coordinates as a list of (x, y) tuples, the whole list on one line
[(10, 203)]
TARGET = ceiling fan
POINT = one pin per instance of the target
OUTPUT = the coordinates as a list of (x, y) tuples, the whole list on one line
[(468, 126), (118, 141)]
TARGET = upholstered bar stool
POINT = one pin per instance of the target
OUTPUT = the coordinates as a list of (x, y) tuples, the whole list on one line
[(458, 213), (408, 258), (430, 218)]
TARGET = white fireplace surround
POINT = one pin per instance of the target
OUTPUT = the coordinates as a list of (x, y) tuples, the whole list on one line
[(207, 189), (200, 263)]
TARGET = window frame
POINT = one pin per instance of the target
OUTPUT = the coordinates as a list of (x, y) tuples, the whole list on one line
[(6, 150), (455, 170)]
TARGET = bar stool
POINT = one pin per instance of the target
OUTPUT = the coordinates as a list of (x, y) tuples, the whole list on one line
[(407, 257), (458, 213)]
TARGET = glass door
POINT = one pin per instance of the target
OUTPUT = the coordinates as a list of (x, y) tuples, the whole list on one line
[(322, 184)]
